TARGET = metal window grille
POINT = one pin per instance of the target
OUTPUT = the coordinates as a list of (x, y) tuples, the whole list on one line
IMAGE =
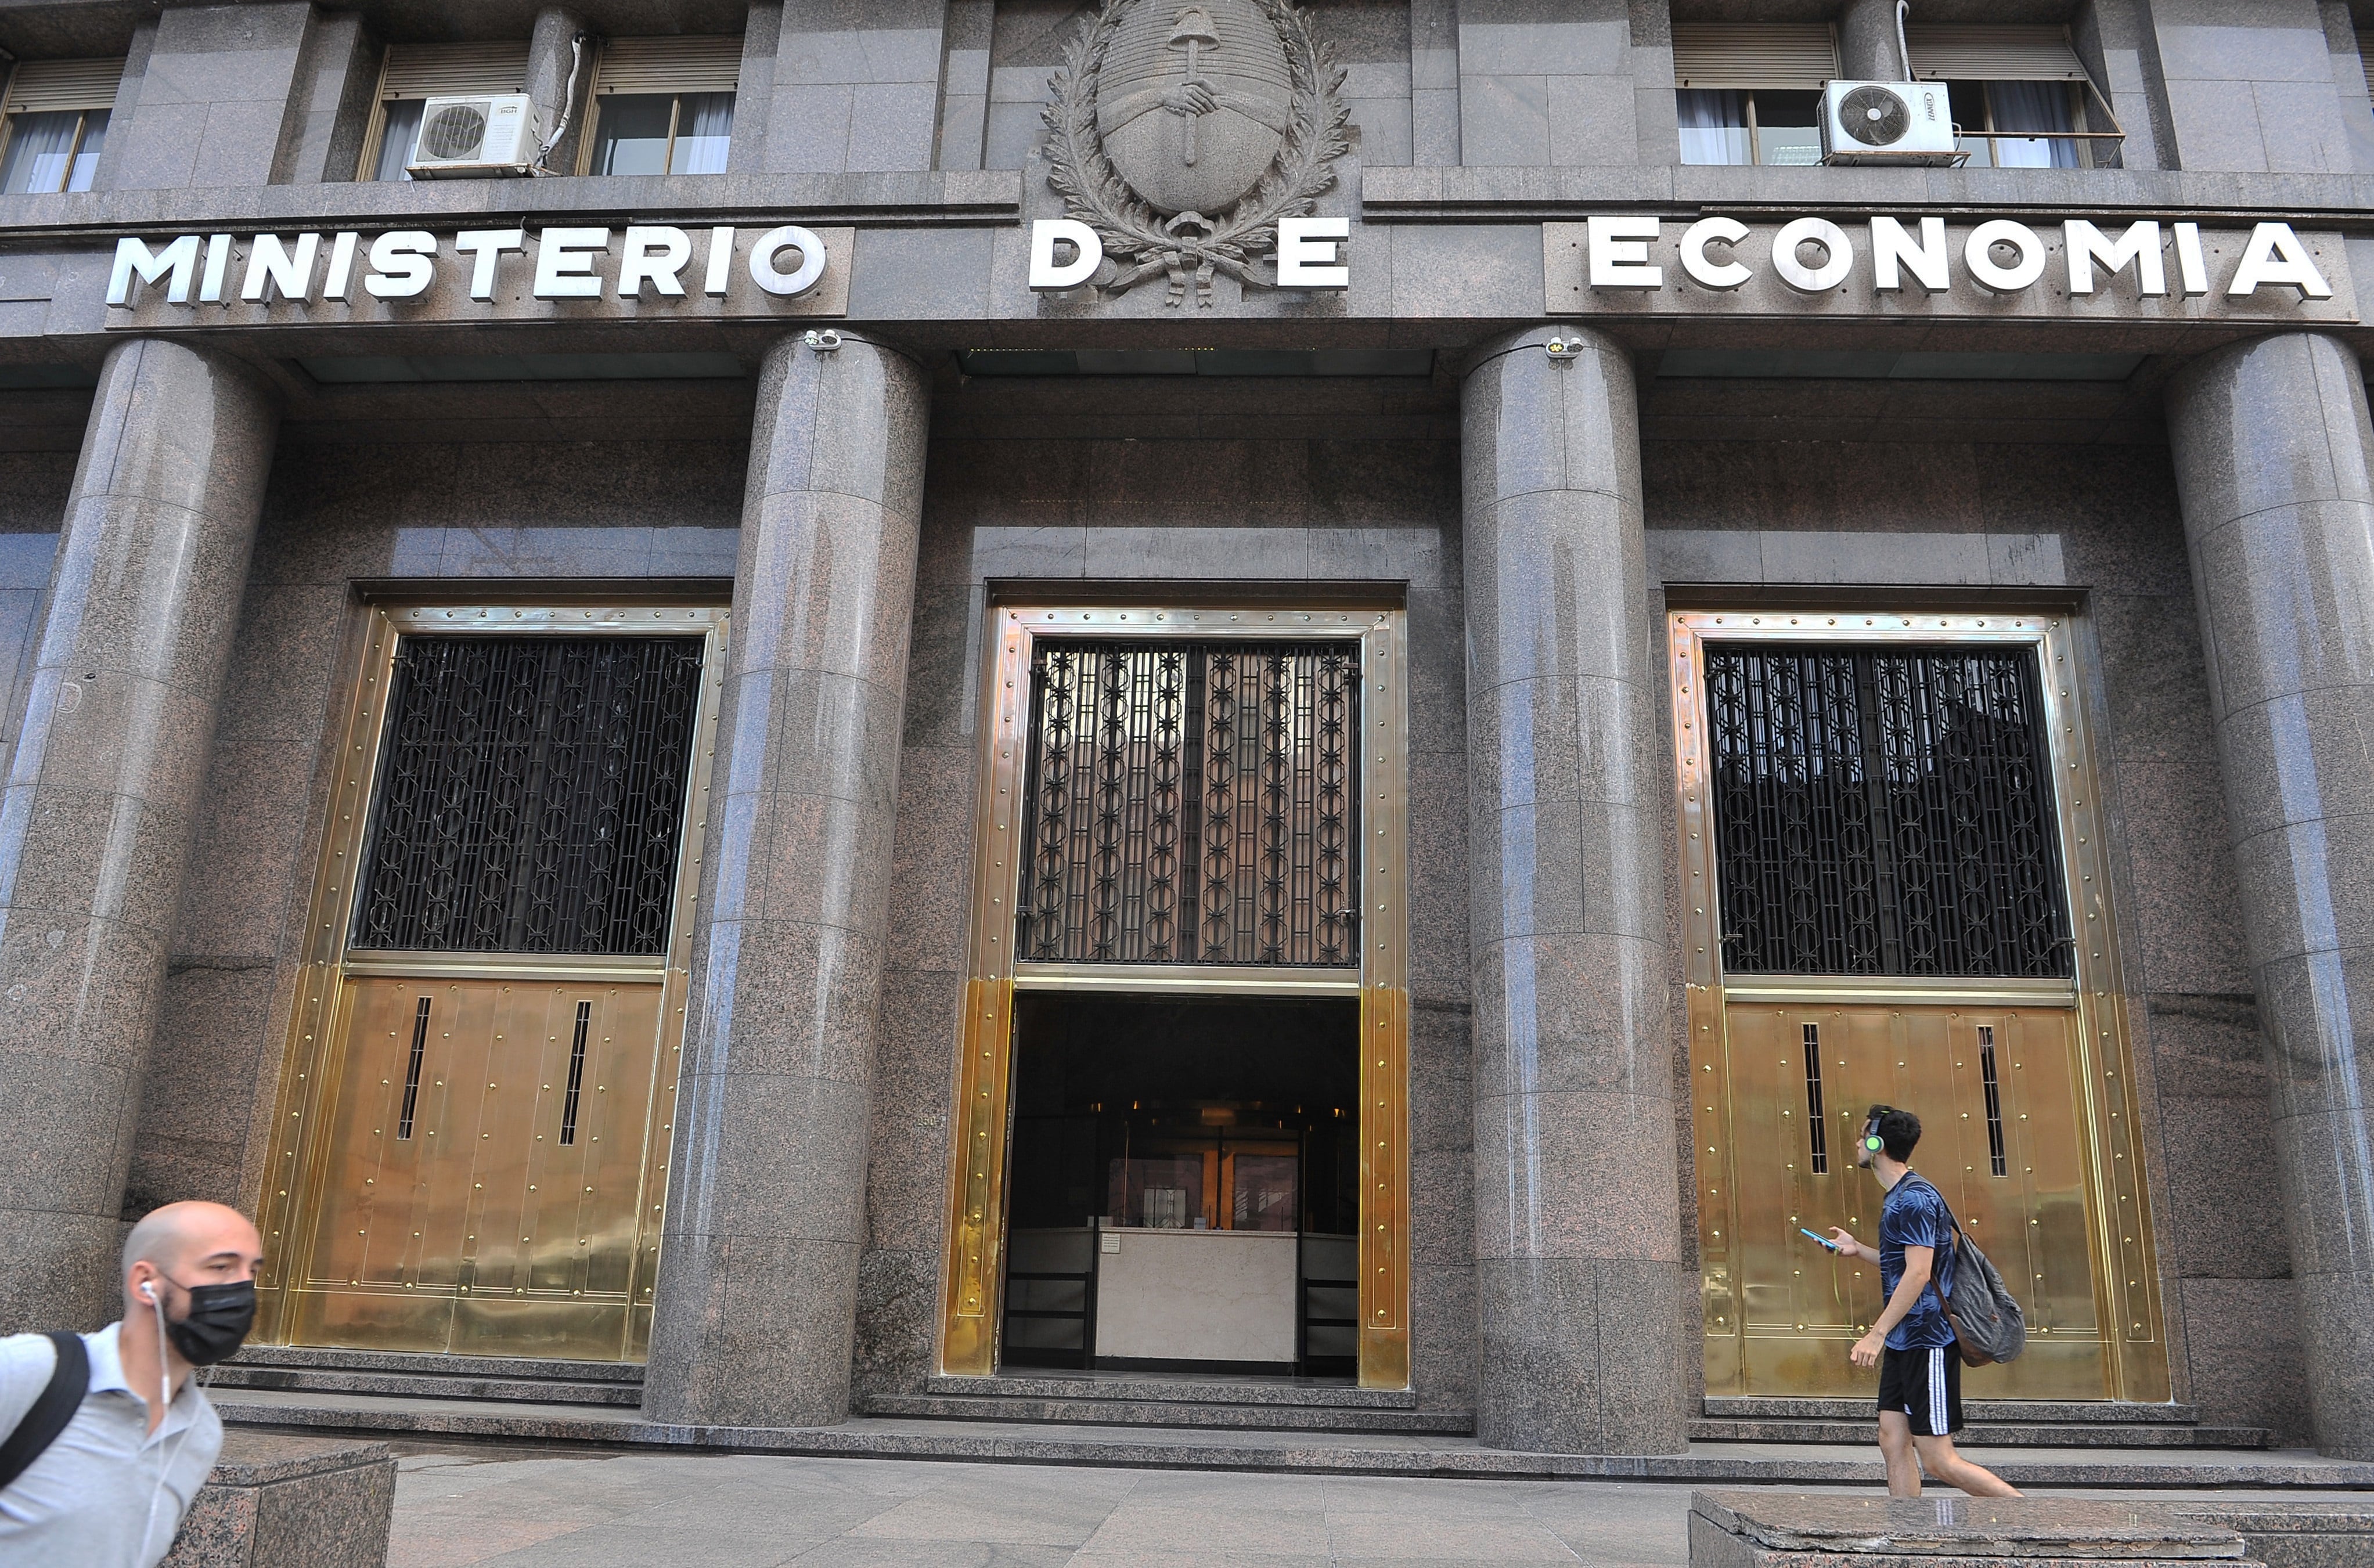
[(1193, 804), (531, 795), (1884, 812)]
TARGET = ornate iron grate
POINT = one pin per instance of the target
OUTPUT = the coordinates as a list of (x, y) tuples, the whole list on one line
[(1885, 811), (1193, 804), (531, 795)]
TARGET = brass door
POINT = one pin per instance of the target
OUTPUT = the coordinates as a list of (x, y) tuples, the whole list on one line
[(485, 1179), (2050, 1183), (1998, 1100), (479, 1093)]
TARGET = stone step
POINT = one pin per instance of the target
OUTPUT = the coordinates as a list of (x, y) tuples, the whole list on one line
[(2056, 1412), (1194, 1413), (1994, 1433), (314, 1369), (1314, 1452), (1178, 1389)]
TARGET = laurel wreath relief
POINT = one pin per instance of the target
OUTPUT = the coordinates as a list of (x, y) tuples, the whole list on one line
[(1141, 241)]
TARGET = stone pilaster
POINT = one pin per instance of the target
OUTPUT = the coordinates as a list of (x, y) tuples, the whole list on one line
[(101, 800), (1579, 1255), (766, 1215), (2272, 445)]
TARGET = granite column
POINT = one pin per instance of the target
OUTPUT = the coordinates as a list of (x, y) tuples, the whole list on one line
[(1579, 1259), (1868, 42), (766, 1215), (103, 797), (2272, 444)]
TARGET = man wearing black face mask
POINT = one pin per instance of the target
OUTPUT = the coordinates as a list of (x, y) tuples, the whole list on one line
[(108, 1489)]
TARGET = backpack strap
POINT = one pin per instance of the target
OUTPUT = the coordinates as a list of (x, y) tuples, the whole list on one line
[(69, 1381)]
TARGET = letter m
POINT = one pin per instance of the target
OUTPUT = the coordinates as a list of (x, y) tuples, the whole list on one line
[(132, 256)]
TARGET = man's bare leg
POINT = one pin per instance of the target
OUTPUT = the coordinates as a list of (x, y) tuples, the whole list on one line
[(1939, 1459), (1896, 1447)]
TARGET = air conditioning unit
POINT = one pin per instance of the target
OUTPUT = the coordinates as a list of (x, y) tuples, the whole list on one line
[(1888, 123), (487, 134)]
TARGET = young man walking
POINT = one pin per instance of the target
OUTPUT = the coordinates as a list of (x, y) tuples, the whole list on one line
[(1912, 1342)]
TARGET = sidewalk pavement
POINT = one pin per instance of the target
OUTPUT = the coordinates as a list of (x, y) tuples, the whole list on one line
[(524, 1509)]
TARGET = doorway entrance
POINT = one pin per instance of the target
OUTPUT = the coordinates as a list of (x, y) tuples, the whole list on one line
[(478, 1098), (1892, 854), (1186, 1195), (1185, 1053)]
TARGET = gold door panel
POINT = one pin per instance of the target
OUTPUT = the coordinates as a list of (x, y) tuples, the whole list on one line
[(1792, 1309), (467, 1201)]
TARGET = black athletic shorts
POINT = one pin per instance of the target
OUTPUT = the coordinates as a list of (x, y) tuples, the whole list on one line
[(1926, 1384)]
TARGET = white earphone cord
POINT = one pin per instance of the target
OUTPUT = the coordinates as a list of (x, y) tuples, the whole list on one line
[(165, 1407)]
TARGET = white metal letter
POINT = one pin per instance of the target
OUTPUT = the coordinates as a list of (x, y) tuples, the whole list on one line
[(2276, 256), (1893, 254), (1050, 276), (210, 282), (720, 261), (2139, 245), (2191, 267), (1620, 252), (1311, 252), (791, 236), (564, 262), (655, 255), (1837, 255), (1977, 255), (487, 244), (134, 259), (270, 266), (340, 278), (1706, 272), (400, 264)]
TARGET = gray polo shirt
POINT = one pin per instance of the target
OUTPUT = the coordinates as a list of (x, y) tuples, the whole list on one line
[(81, 1505)]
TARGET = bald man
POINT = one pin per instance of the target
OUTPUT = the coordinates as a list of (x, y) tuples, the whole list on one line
[(110, 1491)]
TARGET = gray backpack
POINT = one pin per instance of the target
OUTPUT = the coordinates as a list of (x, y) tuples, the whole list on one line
[(1988, 1323)]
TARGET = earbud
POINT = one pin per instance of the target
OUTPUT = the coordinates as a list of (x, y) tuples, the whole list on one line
[(148, 1292)]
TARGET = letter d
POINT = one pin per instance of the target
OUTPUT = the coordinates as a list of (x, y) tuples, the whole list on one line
[(1051, 276)]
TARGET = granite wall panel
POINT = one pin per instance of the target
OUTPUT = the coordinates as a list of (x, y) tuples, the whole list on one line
[(2099, 525), (222, 100), (2252, 95)]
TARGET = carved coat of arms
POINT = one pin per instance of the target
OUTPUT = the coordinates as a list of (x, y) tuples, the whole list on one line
[(1182, 133)]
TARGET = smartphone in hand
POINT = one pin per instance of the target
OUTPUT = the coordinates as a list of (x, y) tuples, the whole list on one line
[(1826, 1241)]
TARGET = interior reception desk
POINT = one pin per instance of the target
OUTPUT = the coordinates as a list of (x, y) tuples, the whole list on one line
[(1188, 1295)]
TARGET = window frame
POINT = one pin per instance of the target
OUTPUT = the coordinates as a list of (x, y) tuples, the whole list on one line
[(81, 102), (1764, 53), (690, 45)]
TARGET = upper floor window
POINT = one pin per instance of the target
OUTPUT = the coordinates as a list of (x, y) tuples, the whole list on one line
[(413, 73), (1752, 92), (662, 106), (54, 125), (2021, 98)]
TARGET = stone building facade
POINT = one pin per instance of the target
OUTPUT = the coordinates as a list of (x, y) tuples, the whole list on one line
[(1465, 343)]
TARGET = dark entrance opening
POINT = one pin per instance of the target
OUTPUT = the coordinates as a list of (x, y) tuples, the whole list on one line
[(1185, 1181)]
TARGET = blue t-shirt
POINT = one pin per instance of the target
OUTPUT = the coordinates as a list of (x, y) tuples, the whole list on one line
[(1913, 1214)]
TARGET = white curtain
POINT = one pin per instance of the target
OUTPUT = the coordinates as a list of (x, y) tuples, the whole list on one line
[(2032, 106), (704, 124), (1714, 125), (401, 126), (40, 148)]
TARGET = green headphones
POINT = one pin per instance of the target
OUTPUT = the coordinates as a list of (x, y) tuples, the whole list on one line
[(1871, 1138)]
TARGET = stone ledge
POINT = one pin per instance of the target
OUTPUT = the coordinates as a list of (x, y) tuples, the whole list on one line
[(279, 1501), (1770, 1529)]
